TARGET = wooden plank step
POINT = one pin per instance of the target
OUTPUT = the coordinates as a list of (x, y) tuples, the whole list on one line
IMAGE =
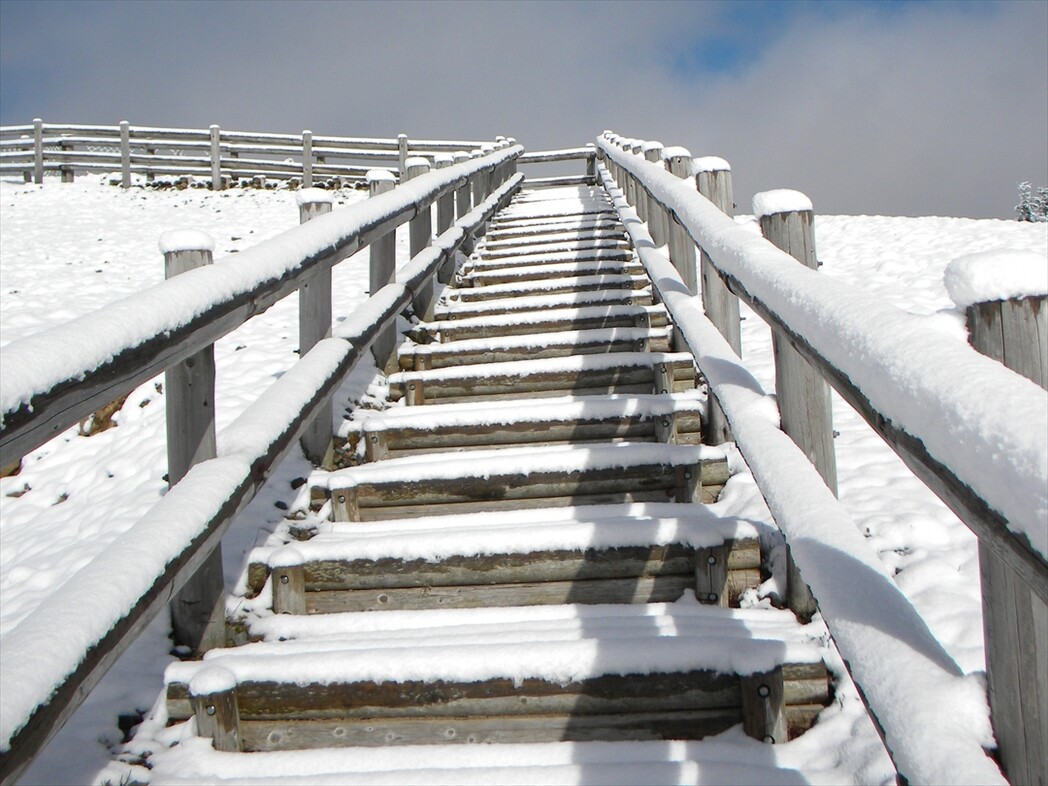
[(401, 431), (614, 254), (567, 235), (550, 245), (601, 222), (531, 346), (658, 551), (549, 286), (552, 321), (453, 309), (615, 372), (551, 215), (524, 477), (520, 672), (591, 267)]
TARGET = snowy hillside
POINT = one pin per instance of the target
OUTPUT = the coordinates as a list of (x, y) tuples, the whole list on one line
[(68, 249)]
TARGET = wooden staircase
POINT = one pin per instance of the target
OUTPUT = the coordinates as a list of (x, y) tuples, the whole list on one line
[(526, 545)]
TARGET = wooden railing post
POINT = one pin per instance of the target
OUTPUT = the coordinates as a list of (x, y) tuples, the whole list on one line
[(198, 609), (307, 159), (656, 214), (480, 191), (381, 271), (314, 324), (463, 202), (787, 220), (681, 248), (420, 235), (1015, 619), (445, 217), (402, 150), (125, 154), (713, 181), (38, 151), (216, 158)]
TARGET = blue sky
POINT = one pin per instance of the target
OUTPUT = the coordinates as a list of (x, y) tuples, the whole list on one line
[(884, 107)]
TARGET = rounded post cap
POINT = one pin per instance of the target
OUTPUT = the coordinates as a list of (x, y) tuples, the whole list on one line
[(175, 240), (211, 680), (779, 200), (379, 175), (313, 196)]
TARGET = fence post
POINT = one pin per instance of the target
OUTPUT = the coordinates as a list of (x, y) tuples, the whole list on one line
[(787, 220), (125, 154), (381, 271), (713, 180), (198, 609), (462, 194), (216, 158), (480, 189), (445, 217), (681, 247), (1015, 619), (307, 159), (314, 324), (402, 148), (38, 151), (420, 235), (656, 214), (591, 164)]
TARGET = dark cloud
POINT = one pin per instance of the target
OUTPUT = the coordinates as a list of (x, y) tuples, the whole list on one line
[(901, 109)]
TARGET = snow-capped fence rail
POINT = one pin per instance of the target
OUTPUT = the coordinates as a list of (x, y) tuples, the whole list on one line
[(990, 467), (586, 154), (214, 153), (55, 657)]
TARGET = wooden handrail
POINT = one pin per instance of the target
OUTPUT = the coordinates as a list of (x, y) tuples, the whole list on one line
[(201, 506), (852, 580), (950, 479), (35, 408), (42, 141)]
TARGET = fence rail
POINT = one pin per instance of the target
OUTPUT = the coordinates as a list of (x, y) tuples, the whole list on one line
[(198, 508), (826, 321), (40, 148)]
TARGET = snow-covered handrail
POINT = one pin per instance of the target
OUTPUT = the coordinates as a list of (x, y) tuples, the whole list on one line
[(55, 657), (55, 378), (905, 675), (53, 147), (988, 466)]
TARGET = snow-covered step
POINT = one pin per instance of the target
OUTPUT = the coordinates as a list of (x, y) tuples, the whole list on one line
[(523, 477), (403, 431), (580, 673), (589, 267), (567, 235), (580, 375), (595, 554), (553, 320), (582, 224), (419, 357), (613, 253), (453, 309), (548, 286), (550, 246)]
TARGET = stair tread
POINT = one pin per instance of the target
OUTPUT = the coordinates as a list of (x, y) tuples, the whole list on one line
[(562, 365), (518, 461), (597, 527), (453, 309)]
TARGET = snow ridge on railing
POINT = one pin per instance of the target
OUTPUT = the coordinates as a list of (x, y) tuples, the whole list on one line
[(53, 658), (906, 677)]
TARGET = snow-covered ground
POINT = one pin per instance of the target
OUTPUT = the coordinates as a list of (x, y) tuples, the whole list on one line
[(70, 248)]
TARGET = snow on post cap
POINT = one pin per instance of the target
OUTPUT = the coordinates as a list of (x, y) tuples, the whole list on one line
[(1001, 274), (779, 200), (710, 164), (212, 679), (443, 158), (651, 144), (310, 196), (416, 161), (176, 240), (377, 175), (285, 557), (675, 152)]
